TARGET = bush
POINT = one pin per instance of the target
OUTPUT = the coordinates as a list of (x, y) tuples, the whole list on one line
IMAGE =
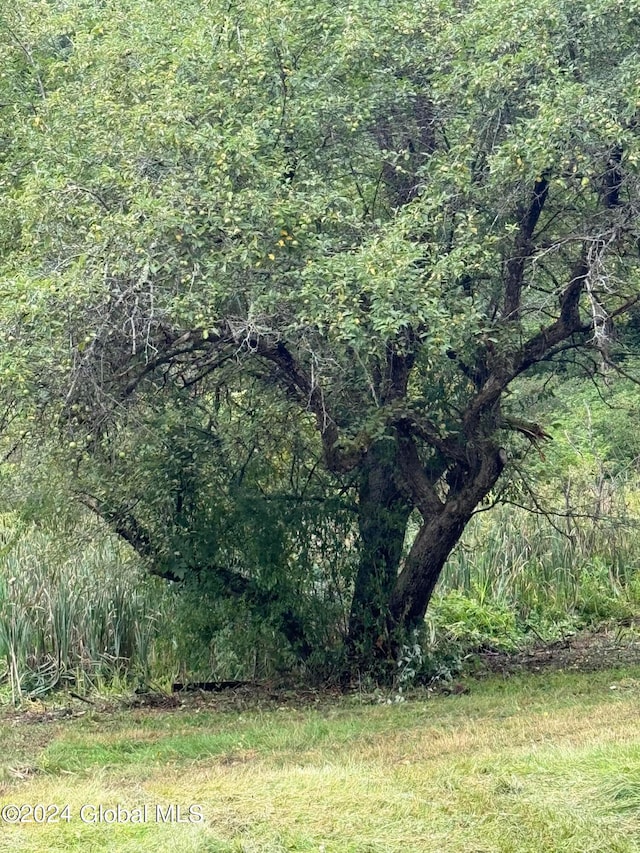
[(473, 626)]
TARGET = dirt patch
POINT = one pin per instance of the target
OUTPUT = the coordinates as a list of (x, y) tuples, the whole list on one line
[(586, 652)]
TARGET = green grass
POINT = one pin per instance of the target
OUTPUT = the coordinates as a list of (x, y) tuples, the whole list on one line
[(532, 763)]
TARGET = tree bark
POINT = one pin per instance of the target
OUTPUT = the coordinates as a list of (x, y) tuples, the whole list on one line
[(383, 513), (435, 540), (415, 584)]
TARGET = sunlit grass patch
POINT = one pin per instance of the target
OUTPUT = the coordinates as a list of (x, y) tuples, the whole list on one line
[(525, 765)]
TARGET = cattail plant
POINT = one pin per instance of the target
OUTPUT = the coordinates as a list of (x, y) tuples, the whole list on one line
[(87, 616)]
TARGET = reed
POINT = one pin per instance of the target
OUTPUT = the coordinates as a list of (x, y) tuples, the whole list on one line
[(536, 565), (83, 618)]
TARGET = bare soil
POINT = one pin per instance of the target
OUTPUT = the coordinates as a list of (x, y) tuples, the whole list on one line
[(584, 652)]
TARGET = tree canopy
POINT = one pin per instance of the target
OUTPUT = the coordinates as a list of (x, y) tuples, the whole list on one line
[(345, 232)]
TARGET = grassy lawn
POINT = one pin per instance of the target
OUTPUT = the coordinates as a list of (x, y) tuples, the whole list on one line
[(532, 763)]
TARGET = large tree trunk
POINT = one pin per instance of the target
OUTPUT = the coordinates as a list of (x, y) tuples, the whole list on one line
[(414, 587), (388, 603), (383, 513), (435, 540)]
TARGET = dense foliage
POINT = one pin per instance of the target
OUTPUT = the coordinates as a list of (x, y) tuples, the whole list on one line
[(277, 273)]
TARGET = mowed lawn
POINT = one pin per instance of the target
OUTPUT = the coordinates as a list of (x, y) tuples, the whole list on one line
[(546, 762)]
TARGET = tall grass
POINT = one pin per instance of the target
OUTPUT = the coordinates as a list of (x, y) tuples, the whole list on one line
[(556, 567), (82, 618)]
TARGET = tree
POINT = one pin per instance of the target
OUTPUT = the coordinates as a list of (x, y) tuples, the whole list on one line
[(387, 215)]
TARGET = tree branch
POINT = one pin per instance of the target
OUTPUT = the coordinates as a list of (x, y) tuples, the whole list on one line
[(533, 351), (420, 486), (310, 394), (522, 250), (567, 324), (123, 524), (534, 432)]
